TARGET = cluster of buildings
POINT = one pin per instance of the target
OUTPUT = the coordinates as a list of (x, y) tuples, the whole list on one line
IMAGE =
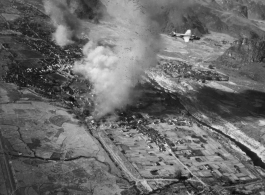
[(49, 69), (179, 69), (144, 141)]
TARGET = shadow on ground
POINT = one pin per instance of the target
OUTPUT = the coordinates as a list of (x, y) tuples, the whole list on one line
[(232, 105)]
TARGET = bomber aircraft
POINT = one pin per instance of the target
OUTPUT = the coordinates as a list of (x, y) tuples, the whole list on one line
[(186, 37)]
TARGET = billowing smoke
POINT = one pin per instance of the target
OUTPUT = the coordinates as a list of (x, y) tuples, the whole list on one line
[(115, 70), (67, 24)]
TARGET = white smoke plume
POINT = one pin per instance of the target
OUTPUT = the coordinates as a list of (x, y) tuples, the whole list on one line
[(67, 24), (115, 71)]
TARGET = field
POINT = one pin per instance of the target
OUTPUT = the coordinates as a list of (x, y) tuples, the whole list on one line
[(48, 148), (178, 136)]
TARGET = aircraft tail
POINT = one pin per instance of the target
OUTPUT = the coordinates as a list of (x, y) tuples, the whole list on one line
[(188, 32), (187, 36)]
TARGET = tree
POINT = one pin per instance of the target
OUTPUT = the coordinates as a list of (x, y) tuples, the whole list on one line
[(178, 174)]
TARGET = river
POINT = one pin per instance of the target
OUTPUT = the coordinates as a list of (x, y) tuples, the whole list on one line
[(252, 155)]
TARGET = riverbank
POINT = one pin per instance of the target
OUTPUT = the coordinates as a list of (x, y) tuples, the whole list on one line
[(252, 148), (248, 145)]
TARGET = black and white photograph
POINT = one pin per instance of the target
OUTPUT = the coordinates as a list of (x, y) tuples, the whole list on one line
[(132, 97)]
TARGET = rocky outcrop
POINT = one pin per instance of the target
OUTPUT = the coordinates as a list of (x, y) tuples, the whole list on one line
[(189, 21), (210, 18), (241, 11), (178, 20), (230, 17), (225, 16), (255, 9), (247, 50)]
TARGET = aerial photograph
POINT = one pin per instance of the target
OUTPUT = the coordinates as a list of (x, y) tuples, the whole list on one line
[(132, 97)]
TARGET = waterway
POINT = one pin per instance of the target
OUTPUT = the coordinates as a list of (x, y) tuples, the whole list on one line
[(252, 155)]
